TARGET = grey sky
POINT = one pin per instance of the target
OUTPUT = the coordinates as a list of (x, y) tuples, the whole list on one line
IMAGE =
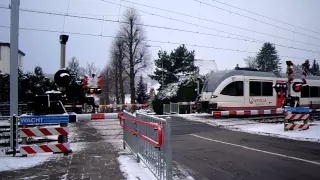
[(42, 48)]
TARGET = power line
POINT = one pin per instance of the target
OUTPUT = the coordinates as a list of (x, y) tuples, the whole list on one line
[(154, 41), (257, 20), (167, 28), (212, 21), (265, 16)]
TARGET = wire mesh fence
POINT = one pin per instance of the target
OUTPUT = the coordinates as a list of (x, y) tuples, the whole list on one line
[(149, 139)]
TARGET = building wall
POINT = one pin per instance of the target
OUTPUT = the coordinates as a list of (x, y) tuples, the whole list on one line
[(5, 59)]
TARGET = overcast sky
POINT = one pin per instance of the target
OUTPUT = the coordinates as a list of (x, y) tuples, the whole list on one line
[(43, 48)]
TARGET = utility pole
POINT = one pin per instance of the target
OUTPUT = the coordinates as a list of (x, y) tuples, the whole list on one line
[(14, 41)]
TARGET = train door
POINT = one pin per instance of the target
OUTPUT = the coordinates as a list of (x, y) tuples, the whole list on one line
[(280, 97)]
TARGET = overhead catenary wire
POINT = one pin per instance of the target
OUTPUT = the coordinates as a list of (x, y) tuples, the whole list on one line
[(270, 18), (208, 20), (257, 20), (154, 41), (167, 28)]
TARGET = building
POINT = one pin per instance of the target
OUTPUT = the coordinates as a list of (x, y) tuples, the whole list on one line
[(5, 57)]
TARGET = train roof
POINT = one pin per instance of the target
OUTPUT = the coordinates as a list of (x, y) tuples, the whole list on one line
[(215, 78)]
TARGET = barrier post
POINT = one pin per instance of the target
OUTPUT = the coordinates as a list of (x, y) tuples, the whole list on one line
[(14, 135), (168, 151)]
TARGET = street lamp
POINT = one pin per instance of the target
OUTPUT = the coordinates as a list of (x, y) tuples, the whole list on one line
[(161, 61)]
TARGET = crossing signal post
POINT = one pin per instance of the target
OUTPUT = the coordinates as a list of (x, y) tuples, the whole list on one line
[(290, 75), (305, 66)]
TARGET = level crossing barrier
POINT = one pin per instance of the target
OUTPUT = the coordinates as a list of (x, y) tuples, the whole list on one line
[(295, 114), (61, 147), (23, 128), (149, 139)]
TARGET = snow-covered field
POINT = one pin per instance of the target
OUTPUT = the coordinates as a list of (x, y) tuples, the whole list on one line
[(276, 130), (13, 163)]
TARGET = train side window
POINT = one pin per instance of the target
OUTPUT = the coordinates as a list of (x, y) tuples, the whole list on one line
[(255, 88), (267, 89), (233, 89), (305, 92), (314, 91)]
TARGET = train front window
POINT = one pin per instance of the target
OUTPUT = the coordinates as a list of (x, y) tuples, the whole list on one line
[(233, 89)]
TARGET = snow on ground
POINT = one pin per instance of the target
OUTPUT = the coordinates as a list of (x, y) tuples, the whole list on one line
[(13, 163), (133, 170), (268, 129), (111, 131)]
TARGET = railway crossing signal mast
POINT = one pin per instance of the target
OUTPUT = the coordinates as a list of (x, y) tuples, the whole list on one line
[(297, 86), (290, 75)]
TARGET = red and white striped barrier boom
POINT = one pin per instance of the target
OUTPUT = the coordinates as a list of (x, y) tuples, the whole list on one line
[(40, 132), (252, 112), (296, 117), (50, 148), (247, 112), (289, 126), (100, 116)]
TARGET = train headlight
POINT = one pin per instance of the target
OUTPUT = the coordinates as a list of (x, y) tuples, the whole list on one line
[(214, 96)]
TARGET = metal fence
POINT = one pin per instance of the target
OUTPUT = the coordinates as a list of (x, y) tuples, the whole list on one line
[(174, 108), (5, 109), (166, 108), (8, 135), (149, 139)]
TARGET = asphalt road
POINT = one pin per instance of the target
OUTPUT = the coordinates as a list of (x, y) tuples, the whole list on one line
[(214, 153)]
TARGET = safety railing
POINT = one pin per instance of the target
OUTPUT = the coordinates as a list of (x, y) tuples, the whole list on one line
[(149, 139)]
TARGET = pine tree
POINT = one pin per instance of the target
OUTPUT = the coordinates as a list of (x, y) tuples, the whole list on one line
[(178, 63), (314, 70), (267, 59), (142, 96)]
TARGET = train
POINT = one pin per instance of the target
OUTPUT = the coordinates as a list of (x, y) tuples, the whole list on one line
[(251, 89)]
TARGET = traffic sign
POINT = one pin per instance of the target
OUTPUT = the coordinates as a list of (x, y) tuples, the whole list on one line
[(297, 109), (43, 119)]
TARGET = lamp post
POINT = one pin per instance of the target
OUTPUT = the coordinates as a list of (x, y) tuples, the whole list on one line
[(161, 61)]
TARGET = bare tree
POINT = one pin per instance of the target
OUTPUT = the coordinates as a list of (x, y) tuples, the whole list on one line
[(106, 85), (74, 68), (251, 62), (136, 52), (118, 62), (92, 69)]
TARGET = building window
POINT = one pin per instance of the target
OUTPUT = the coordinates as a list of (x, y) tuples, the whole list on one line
[(233, 89), (261, 88)]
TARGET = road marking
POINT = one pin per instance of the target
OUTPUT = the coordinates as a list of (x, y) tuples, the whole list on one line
[(258, 150)]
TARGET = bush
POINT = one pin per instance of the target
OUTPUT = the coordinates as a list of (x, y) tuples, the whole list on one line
[(158, 105)]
